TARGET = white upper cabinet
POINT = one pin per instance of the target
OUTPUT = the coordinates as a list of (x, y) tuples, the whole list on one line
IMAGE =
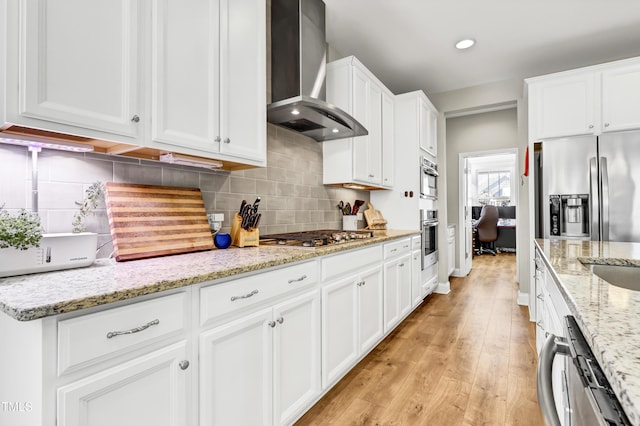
[(180, 76), (389, 146), (621, 98), (78, 65), (564, 106), (209, 77), (427, 122), (353, 88), (593, 100)]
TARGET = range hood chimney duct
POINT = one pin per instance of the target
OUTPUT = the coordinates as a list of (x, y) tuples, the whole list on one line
[(298, 69)]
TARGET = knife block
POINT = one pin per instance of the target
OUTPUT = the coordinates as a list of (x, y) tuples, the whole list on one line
[(241, 237)]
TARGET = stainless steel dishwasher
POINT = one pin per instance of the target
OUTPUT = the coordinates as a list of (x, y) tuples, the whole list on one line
[(588, 398)]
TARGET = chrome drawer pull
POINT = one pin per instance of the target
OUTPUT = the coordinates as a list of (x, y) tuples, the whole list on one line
[(302, 278), (133, 330), (244, 296)]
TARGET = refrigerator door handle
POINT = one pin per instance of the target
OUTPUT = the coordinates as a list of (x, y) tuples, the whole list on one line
[(604, 202), (594, 200)]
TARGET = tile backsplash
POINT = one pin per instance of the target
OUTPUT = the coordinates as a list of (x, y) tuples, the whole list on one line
[(293, 196)]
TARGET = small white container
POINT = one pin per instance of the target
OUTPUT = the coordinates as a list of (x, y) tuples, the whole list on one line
[(350, 222)]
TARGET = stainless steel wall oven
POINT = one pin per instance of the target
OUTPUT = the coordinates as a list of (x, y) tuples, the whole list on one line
[(429, 221), (428, 179)]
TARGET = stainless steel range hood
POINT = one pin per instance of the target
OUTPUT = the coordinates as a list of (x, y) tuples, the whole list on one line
[(298, 67)]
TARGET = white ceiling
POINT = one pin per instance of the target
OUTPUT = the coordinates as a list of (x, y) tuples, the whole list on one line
[(409, 44)]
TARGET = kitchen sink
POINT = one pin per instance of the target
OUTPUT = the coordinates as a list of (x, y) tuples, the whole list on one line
[(622, 276)]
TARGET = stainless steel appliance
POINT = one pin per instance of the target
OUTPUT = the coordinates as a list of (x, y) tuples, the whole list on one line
[(591, 187), (313, 239), (298, 58), (428, 179), (587, 395), (429, 227)]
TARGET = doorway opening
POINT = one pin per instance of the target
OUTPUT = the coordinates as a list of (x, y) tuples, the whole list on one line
[(487, 178)]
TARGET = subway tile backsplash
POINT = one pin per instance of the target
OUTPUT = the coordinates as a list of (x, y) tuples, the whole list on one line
[(293, 196)]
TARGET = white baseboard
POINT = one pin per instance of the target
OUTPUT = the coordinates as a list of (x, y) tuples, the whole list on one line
[(458, 273), (523, 299), (443, 288)]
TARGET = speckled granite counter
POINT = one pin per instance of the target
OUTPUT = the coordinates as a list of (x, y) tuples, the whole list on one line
[(29, 297), (607, 315)]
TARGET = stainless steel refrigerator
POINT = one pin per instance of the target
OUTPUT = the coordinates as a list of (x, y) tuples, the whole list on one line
[(591, 187)]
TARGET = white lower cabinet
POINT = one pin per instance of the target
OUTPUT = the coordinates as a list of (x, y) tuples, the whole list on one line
[(264, 367), (397, 290), (149, 390), (417, 291), (351, 321)]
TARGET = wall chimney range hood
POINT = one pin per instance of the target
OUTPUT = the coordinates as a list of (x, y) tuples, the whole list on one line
[(298, 60)]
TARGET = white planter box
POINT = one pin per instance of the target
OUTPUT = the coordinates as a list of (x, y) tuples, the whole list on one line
[(56, 251)]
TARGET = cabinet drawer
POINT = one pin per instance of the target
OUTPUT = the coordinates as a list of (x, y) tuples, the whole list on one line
[(416, 242), (91, 338), (344, 263), (397, 248), (221, 299)]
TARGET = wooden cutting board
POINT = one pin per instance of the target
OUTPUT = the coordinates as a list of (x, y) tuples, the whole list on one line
[(149, 221)]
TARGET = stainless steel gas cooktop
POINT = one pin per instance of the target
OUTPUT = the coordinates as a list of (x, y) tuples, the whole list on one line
[(311, 239)]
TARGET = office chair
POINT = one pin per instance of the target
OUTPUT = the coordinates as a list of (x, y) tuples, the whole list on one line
[(487, 229)]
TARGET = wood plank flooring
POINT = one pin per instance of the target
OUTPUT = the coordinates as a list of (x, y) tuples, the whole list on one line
[(466, 358)]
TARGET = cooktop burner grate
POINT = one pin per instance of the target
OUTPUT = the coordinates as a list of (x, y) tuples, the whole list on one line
[(314, 238)]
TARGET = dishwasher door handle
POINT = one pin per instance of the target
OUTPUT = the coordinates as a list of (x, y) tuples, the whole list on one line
[(552, 346)]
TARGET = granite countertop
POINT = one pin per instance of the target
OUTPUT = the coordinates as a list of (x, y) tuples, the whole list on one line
[(607, 315), (29, 297)]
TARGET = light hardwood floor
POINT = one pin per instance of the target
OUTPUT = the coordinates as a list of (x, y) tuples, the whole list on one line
[(466, 358)]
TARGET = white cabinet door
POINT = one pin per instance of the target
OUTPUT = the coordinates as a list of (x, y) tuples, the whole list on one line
[(404, 284), (185, 73), (151, 390), (81, 71), (339, 328), (296, 372), (425, 123), (388, 141), (428, 122), (417, 292), (363, 92), (565, 106), (621, 98), (208, 76), (391, 292), (370, 326), (243, 99), (236, 372)]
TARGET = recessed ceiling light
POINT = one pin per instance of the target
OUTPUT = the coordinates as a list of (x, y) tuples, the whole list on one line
[(295, 111), (335, 130), (465, 44)]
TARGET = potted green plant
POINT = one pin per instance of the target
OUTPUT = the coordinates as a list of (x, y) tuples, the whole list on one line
[(19, 231)]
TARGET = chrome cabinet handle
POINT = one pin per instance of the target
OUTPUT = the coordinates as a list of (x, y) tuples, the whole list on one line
[(370, 175), (217, 139), (244, 296), (184, 364), (401, 265), (591, 126), (540, 324), (272, 324), (302, 278), (112, 334), (226, 140), (135, 118), (552, 346), (361, 283), (540, 297), (606, 124), (280, 320), (394, 250)]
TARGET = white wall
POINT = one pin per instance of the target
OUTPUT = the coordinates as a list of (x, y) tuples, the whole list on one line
[(475, 100)]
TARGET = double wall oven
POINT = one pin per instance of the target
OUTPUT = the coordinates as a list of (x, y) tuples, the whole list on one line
[(428, 211)]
